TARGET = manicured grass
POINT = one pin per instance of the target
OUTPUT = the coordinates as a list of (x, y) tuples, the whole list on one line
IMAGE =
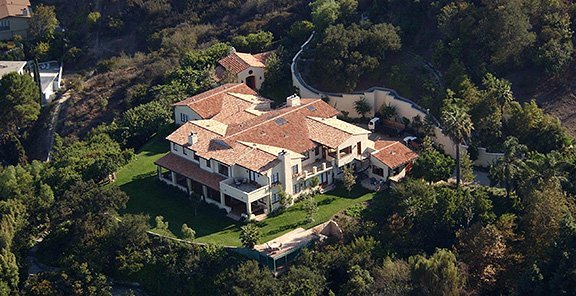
[(151, 197)]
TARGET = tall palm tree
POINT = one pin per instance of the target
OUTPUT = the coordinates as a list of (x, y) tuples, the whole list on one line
[(458, 126), (507, 170)]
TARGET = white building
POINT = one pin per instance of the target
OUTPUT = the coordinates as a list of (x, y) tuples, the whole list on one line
[(236, 153), (246, 68)]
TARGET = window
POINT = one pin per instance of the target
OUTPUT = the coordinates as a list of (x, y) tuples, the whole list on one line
[(295, 169), (196, 157), (275, 198), (208, 163), (306, 155), (184, 150), (183, 117), (223, 169), (250, 72), (5, 25), (377, 171), (317, 150), (174, 147), (275, 178), (346, 151), (298, 187)]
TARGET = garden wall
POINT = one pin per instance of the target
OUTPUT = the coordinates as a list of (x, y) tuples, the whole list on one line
[(376, 97)]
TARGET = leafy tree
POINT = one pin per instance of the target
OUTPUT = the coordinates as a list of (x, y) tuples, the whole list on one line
[(160, 224), (302, 280), (310, 207), (43, 22), (79, 279), (253, 42), (286, 200), (458, 125), (139, 124), (545, 207), (248, 279), (432, 166), (19, 102), (555, 41), (487, 250), (437, 275), (352, 52), (249, 235), (509, 32), (348, 179), (93, 18), (393, 278), (324, 13), (300, 31), (362, 107), (359, 283), (41, 50), (388, 111), (188, 232), (467, 168)]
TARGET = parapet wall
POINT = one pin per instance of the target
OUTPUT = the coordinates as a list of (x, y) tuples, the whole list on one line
[(377, 97)]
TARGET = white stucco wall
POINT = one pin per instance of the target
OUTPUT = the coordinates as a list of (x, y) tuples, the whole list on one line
[(258, 74), (178, 110), (376, 97)]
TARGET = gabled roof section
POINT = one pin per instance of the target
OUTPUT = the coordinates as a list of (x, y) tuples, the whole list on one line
[(237, 62), (14, 8), (393, 153), (229, 103)]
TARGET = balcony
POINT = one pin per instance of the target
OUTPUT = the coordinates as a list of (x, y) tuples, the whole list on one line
[(244, 191), (314, 169)]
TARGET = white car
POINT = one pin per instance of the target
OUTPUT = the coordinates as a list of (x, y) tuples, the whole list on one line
[(372, 123)]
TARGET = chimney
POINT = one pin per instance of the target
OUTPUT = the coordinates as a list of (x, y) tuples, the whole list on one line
[(293, 101), (25, 11), (192, 138)]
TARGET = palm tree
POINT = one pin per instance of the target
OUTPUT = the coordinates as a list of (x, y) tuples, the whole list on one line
[(458, 126), (506, 170), (501, 90)]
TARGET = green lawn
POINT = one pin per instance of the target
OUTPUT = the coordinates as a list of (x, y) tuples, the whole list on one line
[(149, 196)]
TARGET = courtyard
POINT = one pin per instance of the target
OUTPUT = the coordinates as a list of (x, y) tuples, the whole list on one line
[(151, 197)]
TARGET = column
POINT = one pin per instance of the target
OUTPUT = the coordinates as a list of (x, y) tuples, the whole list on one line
[(222, 200), (159, 171), (173, 178), (204, 191), (189, 185), (248, 209)]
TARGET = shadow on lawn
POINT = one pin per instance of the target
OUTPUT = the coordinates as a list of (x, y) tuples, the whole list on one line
[(151, 197), (285, 227)]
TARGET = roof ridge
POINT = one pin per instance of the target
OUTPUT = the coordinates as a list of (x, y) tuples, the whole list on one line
[(224, 89), (271, 118)]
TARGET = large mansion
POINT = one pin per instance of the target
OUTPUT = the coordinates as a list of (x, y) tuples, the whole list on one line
[(236, 152)]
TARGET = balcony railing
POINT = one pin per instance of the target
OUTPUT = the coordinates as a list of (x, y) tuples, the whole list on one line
[(313, 169), (245, 191)]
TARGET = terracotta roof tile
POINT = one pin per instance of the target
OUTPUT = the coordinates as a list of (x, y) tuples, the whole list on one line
[(325, 134), (393, 153), (237, 62), (190, 170), (14, 8), (227, 103)]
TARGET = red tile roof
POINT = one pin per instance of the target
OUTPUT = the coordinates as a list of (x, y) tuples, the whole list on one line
[(190, 170), (237, 62), (14, 8), (222, 104), (286, 128), (393, 153)]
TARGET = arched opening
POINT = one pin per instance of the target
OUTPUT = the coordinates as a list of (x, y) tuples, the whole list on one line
[(251, 81)]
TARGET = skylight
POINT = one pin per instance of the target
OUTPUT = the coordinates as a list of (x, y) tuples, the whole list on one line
[(280, 121), (311, 108)]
